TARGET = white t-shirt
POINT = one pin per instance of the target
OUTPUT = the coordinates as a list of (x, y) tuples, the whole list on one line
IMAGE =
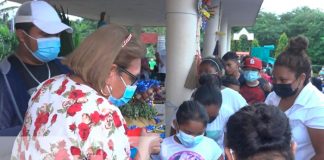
[(306, 112), (232, 99), (216, 129), (207, 149)]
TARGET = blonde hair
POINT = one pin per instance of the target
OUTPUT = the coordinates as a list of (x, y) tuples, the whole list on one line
[(93, 59)]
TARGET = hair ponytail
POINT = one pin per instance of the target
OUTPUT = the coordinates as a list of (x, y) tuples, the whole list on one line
[(295, 57)]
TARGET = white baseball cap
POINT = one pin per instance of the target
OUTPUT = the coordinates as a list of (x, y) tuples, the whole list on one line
[(42, 15)]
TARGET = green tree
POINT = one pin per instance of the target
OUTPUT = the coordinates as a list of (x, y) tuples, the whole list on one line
[(243, 44), (255, 43), (267, 28), (301, 21), (282, 44), (81, 29), (158, 30), (307, 22), (8, 40), (234, 45)]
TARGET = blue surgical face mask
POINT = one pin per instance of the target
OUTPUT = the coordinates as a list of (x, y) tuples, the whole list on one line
[(47, 48), (187, 140), (128, 94), (214, 134), (251, 76)]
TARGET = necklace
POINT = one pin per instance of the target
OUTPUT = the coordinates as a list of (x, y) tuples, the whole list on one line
[(31, 74)]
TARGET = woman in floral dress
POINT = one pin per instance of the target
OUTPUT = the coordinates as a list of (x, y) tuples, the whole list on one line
[(75, 116)]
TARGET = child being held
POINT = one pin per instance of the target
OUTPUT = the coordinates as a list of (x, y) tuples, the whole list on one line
[(255, 88), (190, 143), (231, 82)]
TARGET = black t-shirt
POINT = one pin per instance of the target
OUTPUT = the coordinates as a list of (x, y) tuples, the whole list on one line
[(40, 72)]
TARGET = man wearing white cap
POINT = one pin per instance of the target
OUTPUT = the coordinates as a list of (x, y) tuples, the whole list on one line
[(37, 27)]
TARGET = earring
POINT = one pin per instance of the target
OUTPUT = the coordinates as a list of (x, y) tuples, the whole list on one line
[(103, 92)]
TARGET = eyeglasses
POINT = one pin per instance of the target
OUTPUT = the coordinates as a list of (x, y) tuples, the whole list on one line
[(132, 76)]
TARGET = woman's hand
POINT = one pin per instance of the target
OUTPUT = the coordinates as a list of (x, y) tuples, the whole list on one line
[(155, 144)]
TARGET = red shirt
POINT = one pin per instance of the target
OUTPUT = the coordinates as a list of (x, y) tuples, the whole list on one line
[(252, 95)]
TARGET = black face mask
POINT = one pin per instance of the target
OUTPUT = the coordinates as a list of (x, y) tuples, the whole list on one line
[(211, 79), (284, 90)]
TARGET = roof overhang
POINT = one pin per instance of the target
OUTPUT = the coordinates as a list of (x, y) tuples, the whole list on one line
[(152, 12), (241, 12), (125, 12)]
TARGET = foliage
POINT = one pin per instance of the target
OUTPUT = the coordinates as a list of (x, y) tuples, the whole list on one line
[(150, 48), (66, 38), (138, 109), (241, 45), (316, 69), (158, 30), (141, 106), (301, 21), (255, 43), (308, 22), (8, 40), (150, 51), (81, 29), (267, 28), (282, 44)]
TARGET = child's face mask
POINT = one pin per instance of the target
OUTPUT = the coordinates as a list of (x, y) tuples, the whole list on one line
[(251, 75), (189, 141)]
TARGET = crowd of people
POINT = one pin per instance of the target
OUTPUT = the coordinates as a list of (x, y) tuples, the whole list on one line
[(241, 109)]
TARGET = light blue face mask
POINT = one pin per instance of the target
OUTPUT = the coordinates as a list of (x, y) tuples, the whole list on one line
[(251, 76), (214, 134), (187, 140), (128, 95), (47, 48)]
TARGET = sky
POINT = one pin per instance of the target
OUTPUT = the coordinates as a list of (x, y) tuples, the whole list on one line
[(282, 6)]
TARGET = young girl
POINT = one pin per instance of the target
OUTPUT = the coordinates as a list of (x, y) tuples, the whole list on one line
[(211, 98), (190, 143)]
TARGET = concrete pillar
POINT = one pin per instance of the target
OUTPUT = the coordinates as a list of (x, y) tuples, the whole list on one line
[(107, 19), (229, 37), (181, 22), (223, 38), (210, 33)]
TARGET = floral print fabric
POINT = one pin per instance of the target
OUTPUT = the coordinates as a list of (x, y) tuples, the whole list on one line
[(66, 120)]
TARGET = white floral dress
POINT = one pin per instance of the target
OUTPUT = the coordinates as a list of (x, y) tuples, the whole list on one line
[(66, 120)]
